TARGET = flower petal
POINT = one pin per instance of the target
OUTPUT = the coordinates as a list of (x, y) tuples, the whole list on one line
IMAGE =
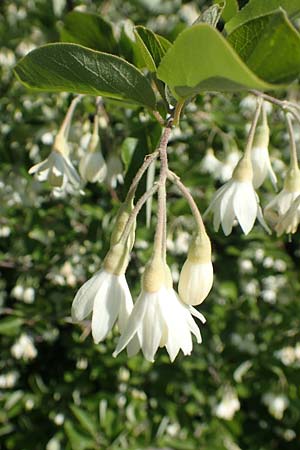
[(84, 300), (245, 206), (106, 307)]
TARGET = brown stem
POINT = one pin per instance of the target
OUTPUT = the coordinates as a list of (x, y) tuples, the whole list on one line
[(294, 158), (252, 129), (147, 161)]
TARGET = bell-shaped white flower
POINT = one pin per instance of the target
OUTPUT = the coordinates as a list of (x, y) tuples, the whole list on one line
[(92, 166), (159, 318), (237, 199), (260, 157), (57, 168), (210, 163), (288, 222), (106, 295), (196, 276), (282, 202)]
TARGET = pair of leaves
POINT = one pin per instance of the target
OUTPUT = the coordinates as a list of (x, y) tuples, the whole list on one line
[(258, 52)]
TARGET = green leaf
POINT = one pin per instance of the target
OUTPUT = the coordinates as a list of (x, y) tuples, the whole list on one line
[(230, 9), (10, 326), (270, 46), (73, 68), (85, 420), (211, 15), (77, 440), (89, 30), (215, 66), (151, 46), (258, 8)]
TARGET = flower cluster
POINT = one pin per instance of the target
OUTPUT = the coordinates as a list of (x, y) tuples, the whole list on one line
[(237, 201), (59, 170)]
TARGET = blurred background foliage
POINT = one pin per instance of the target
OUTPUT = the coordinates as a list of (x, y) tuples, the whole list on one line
[(240, 388)]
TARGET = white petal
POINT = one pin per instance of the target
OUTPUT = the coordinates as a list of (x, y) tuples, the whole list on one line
[(134, 322), (106, 307), (226, 209), (197, 314), (126, 306), (71, 172), (83, 302), (245, 206), (39, 167), (150, 332)]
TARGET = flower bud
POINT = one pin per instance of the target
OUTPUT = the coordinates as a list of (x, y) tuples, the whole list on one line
[(196, 277), (121, 220)]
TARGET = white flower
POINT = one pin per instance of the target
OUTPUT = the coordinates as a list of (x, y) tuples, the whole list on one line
[(260, 158), (29, 295), (288, 222), (228, 406), (227, 167), (159, 318), (210, 163), (57, 169), (8, 380), (277, 404), (106, 295), (196, 277), (24, 348), (279, 206), (92, 167), (237, 199)]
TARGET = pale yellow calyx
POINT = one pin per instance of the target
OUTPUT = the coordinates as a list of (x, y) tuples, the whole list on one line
[(121, 221), (200, 249), (292, 180), (60, 144), (243, 170), (116, 260), (262, 137), (154, 276)]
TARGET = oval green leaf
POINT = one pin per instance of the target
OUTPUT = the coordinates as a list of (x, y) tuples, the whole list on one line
[(151, 47), (89, 30), (270, 46), (258, 8), (73, 68), (202, 60)]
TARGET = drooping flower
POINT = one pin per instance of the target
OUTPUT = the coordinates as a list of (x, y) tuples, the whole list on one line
[(210, 163), (237, 199), (228, 406), (196, 277), (106, 295), (92, 166), (58, 168), (260, 157), (277, 209), (159, 318), (288, 222)]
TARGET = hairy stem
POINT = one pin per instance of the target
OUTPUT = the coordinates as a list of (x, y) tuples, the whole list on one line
[(138, 176), (142, 200), (189, 198), (252, 129), (160, 233), (294, 158)]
